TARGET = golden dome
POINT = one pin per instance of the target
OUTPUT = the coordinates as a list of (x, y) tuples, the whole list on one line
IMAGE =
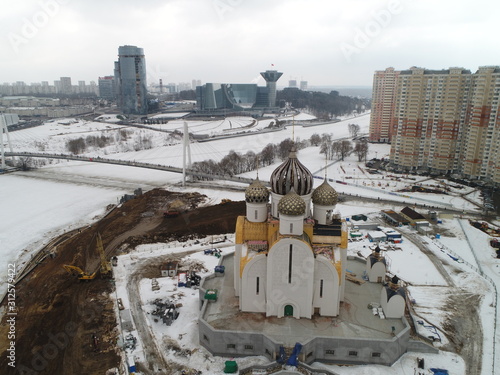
[(292, 204), (256, 192), (325, 195)]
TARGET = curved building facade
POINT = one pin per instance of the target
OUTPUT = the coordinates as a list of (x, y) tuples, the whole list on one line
[(238, 96)]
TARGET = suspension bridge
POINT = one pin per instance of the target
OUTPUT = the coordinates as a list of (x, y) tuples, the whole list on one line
[(159, 167)]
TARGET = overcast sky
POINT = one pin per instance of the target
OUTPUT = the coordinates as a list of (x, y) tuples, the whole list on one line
[(325, 42)]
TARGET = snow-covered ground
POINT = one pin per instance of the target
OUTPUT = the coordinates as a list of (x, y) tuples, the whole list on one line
[(38, 205)]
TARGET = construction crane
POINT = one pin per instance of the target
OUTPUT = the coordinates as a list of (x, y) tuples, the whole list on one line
[(106, 270), (82, 275)]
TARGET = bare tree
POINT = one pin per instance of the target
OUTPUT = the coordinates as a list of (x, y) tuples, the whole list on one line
[(356, 129), (361, 149), (342, 148), (250, 161), (76, 146), (206, 166), (325, 137), (284, 148), (353, 130), (326, 148), (268, 154), (349, 127), (232, 163), (25, 163), (315, 139)]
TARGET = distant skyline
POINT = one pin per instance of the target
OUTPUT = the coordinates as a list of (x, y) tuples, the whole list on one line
[(325, 42)]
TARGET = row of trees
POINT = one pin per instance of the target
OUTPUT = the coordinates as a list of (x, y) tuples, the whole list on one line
[(235, 163), (139, 141), (323, 105), (78, 145), (342, 148)]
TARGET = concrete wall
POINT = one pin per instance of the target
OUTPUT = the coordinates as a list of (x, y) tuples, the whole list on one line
[(356, 350), (421, 347), (235, 343), (274, 368), (322, 349)]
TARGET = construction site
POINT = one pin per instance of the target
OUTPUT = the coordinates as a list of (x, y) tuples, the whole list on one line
[(66, 321)]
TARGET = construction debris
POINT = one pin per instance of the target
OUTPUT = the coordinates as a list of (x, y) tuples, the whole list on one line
[(130, 342), (351, 277), (166, 310)]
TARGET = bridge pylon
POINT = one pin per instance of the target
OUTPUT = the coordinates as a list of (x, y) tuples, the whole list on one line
[(186, 153), (4, 120)]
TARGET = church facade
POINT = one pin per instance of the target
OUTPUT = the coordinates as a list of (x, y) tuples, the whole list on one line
[(290, 258)]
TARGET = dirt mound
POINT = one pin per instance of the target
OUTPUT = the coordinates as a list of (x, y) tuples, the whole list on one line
[(68, 327)]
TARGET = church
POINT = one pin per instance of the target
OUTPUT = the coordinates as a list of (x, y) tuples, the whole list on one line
[(290, 258)]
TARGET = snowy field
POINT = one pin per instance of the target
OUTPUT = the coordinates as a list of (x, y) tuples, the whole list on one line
[(61, 196)]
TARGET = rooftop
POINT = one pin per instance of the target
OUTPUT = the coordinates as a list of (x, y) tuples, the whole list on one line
[(412, 214)]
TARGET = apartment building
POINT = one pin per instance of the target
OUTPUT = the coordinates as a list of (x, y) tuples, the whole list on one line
[(428, 116), (480, 157), (439, 121), (383, 102)]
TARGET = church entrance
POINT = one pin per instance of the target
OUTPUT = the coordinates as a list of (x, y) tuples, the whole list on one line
[(288, 310)]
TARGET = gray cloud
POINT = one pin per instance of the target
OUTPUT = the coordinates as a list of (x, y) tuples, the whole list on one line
[(323, 41)]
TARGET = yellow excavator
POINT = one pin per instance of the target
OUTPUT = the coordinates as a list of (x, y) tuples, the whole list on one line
[(82, 275), (105, 270)]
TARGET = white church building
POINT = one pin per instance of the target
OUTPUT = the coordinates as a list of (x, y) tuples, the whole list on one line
[(290, 258)]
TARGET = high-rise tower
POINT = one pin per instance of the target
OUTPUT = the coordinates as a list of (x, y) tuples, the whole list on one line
[(130, 77), (382, 126), (271, 77)]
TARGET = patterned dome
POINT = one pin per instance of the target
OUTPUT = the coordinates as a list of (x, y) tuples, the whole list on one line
[(325, 195), (256, 193), (292, 204), (291, 174)]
